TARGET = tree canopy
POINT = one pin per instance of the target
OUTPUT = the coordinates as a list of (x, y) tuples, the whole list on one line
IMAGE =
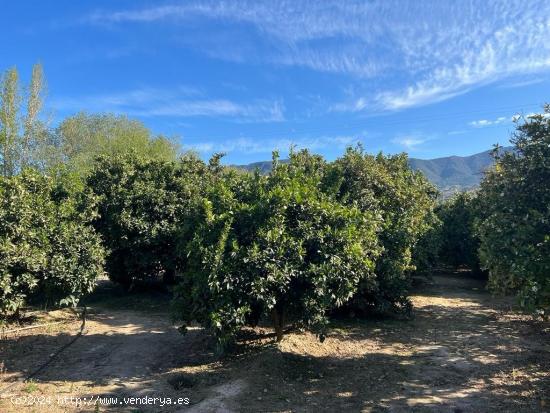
[(48, 250), (514, 221), (275, 247), (82, 138)]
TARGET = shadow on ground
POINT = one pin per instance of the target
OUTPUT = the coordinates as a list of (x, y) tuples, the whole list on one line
[(463, 352)]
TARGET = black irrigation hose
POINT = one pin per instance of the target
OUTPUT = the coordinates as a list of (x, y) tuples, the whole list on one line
[(52, 358)]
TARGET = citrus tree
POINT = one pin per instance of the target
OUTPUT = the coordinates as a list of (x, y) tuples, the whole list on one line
[(404, 200), (274, 247), (459, 243), (514, 223), (142, 204), (48, 251)]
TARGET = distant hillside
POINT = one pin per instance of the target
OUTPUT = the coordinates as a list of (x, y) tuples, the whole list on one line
[(263, 166), (461, 171), (449, 174)]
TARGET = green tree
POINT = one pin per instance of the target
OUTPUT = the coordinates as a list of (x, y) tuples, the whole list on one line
[(83, 137), (514, 223), (405, 201), (274, 247), (425, 257), (142, 204), (22, 135), (10, 101), (458, 242), (26, 141), (49, 254), (34, 131)]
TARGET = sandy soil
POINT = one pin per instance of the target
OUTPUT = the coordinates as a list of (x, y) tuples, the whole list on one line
[(463, 352)]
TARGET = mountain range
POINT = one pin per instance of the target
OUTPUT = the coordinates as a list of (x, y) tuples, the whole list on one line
[(449, 174)]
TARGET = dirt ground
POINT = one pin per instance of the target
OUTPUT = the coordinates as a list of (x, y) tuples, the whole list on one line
[(463, 352)]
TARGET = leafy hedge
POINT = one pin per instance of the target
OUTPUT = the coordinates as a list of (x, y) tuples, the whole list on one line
[(48, 252)]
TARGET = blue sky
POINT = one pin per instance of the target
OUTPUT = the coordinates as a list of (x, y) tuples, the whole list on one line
[(432, 78)]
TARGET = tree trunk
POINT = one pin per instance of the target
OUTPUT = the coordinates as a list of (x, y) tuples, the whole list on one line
[(278, 323)]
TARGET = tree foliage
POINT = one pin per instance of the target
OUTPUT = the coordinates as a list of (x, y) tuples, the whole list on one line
[(404, 200), (294, 245), (23, 136), (458, 242), (142, 204), (10, 101), (48, 251), (276, 247), (425, 257), (82, 138), (34, 131), (514, 222)]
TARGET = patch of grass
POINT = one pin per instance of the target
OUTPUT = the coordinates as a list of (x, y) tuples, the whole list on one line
[(30, 387)]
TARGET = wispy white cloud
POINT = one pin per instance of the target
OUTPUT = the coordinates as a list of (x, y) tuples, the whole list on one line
[(505, 119), (521, 83), (409, 142), (354, 105), (201, 147), (418, 52), (181, 102), (489, 122)]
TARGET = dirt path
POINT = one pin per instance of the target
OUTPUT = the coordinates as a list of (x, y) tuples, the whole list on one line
[(122, 353), (463, 352)]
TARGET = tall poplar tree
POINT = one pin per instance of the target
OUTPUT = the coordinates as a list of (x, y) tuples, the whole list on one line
[(10, 101), (33, 131), (22, 135)]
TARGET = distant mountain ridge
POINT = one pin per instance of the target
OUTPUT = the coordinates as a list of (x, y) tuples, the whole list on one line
[(450, 173), (455, 171)]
